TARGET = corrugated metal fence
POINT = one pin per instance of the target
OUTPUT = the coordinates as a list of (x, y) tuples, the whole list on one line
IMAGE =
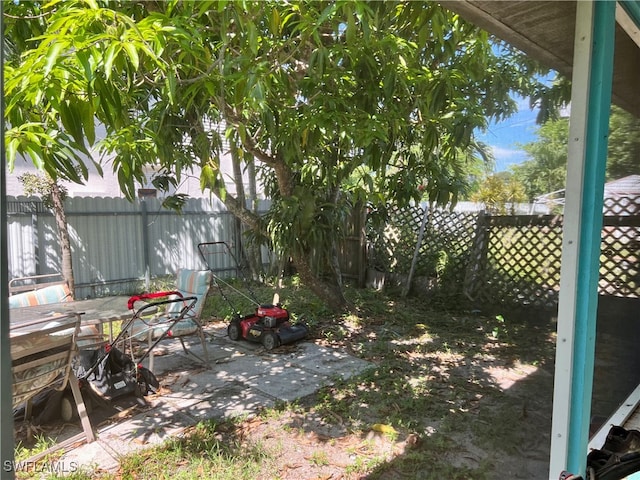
[(115, 243)]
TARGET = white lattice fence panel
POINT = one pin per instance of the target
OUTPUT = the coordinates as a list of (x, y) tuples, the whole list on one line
[(620, 251), (522, 257)]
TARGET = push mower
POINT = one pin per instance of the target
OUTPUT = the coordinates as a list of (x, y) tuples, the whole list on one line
[(270, 323), (115, 369)]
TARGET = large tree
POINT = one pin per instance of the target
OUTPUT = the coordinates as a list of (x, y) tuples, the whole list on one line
[(500, 193), (339, 102), (53, 196), (545, 170), (623, 156)]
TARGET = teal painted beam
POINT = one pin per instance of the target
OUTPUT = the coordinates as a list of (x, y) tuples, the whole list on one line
[(599, 105), (632, 7)]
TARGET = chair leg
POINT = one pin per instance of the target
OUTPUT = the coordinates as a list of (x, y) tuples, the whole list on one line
[(82, 411), (203, 340), (150, 347), (205, 353)]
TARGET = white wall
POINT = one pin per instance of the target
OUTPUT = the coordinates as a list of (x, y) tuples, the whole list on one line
[(107, 185)]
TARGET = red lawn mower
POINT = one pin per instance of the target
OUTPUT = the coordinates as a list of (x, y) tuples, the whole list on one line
[(269, 324)]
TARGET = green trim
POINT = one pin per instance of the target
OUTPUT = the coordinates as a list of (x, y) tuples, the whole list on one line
[(600, 87), (632, 7)]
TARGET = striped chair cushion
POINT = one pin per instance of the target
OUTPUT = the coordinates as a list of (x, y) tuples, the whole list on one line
[(52, 294), (192, 283)]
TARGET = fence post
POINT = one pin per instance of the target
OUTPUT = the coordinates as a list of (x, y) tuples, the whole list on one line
[(416, 252), (36, 238), (477, 262)]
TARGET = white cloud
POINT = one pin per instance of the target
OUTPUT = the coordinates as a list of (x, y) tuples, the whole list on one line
[(506, 153), (505, 157)]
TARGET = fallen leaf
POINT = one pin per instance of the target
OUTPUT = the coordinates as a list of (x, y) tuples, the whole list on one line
[(382, 428)]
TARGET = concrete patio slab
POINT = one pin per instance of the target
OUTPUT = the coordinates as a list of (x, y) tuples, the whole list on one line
[(144, 430), (328, 361), (92, 456), (233, 400), (241, 378)]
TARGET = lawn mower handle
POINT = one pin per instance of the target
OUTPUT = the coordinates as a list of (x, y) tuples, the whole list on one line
[(147, 296)]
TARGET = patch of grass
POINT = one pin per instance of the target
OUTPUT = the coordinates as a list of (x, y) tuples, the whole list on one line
[(362, 465), (319, 458), (40, 444), (424, 464), (207, 452), (27, 469)]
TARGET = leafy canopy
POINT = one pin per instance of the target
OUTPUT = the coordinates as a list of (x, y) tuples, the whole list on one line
[(324, 87), (546, 169), (341, 102)]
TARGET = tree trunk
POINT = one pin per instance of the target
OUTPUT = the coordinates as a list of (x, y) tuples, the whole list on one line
[(238, 180), (253, 251), (63, 236), (251, 174), (332, 296), (334, 260)]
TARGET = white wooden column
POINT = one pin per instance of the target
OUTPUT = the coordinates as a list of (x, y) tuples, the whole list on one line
[(577, 308)]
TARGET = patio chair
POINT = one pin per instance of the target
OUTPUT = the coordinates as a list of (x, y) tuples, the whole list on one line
[(173, 321), (38, 290), (42, 352)]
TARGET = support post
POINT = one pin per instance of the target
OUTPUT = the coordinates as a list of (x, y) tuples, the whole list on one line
[(578, 301), (416, 252), (6, 378)]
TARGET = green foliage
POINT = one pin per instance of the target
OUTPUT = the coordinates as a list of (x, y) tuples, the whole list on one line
[(545, 171), (342, 103), (42, 186), (500, 191), (624, 145), (500, 330), (328, 88)]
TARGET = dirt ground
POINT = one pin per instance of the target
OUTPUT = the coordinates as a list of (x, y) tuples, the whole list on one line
[(315, 446), (518, 423), (492, 374), (314, 449)]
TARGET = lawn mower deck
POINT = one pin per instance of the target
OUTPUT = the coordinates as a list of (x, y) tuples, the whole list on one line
[(269, 325)]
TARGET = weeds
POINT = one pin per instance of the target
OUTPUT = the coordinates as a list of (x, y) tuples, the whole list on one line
[(319, 459)]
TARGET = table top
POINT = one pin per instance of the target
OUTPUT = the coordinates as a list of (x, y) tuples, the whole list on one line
[(42, 323), (102, 310)]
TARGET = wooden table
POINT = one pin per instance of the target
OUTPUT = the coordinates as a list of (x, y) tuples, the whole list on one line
[(93, 311)]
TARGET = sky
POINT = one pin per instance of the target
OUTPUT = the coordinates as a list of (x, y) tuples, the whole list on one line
[(505, 137)]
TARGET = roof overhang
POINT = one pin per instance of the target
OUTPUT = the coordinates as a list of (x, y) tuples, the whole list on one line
[(545, 31)]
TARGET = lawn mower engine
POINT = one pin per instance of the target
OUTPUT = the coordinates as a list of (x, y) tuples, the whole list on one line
[(269, 325)]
